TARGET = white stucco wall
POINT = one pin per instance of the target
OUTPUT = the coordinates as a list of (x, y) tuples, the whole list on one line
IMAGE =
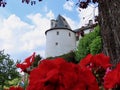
[(65, 42)]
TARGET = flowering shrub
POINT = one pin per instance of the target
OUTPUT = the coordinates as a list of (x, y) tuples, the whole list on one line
[(58, 74), (98, 64), (90, 73)]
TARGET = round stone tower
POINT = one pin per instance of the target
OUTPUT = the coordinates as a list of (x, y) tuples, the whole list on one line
[(60, 39)]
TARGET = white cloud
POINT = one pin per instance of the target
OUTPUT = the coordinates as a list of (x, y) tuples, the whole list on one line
[(50, 15), (73, 24), (18, 37), (87, 14), (11, 31), (68, 5)]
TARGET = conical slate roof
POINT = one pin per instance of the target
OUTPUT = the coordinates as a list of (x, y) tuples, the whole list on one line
[(61, 23)]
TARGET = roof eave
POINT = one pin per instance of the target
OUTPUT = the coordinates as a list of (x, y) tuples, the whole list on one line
[(58, 28)]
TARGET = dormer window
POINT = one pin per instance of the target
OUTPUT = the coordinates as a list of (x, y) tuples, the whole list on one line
[(66, 26)]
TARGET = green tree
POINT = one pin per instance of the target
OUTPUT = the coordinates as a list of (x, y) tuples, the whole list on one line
[(69, 57), (96, 45), (37, 59), (88, 44), (8, 70), (109, 21)]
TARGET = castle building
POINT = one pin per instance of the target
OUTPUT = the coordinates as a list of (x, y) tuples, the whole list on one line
[(60, 38)]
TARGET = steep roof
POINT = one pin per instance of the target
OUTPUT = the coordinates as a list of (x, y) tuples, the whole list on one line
[(61, 22)]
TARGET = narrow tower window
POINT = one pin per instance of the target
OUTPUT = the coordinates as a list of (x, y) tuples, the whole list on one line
[(57, 33), (56, 43), (69, 34)]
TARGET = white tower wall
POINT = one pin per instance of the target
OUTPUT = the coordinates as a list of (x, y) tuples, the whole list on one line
[(59, 41)]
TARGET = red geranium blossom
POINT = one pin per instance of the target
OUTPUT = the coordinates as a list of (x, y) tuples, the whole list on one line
[(112, 78), (86, 61), (58, 74), (98, 60), (98, 64), (27, 63), (101, 60), (16, 88)]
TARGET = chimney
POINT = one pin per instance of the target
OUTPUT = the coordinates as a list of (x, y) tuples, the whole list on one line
[(90, 22), (53, 23)]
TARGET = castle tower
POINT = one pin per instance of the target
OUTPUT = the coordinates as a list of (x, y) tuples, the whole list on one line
[(60, 39)]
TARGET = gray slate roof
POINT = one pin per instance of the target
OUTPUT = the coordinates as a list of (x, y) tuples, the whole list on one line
[(61, 23)]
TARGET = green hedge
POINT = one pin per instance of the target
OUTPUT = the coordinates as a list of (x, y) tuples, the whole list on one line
[(90, 43)]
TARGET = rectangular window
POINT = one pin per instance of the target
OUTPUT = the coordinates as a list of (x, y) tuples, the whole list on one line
[(69, 34), (56, 43), (57, 33)]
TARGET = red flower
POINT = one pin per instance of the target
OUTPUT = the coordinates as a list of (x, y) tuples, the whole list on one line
[(27, 63), (112, 78), (58, 74), (97, 64), (89, 79), (101, 60), (86, 61), (15, 88), (98, 60)]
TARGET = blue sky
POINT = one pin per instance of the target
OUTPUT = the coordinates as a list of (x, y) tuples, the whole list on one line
[(22, 26)]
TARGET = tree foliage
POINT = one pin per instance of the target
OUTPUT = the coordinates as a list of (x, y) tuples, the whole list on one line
[(96, 45), (32, 2), (81, 3), (84, 3), (69, 57), (37, 59), (8, 70), (89, 44)]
